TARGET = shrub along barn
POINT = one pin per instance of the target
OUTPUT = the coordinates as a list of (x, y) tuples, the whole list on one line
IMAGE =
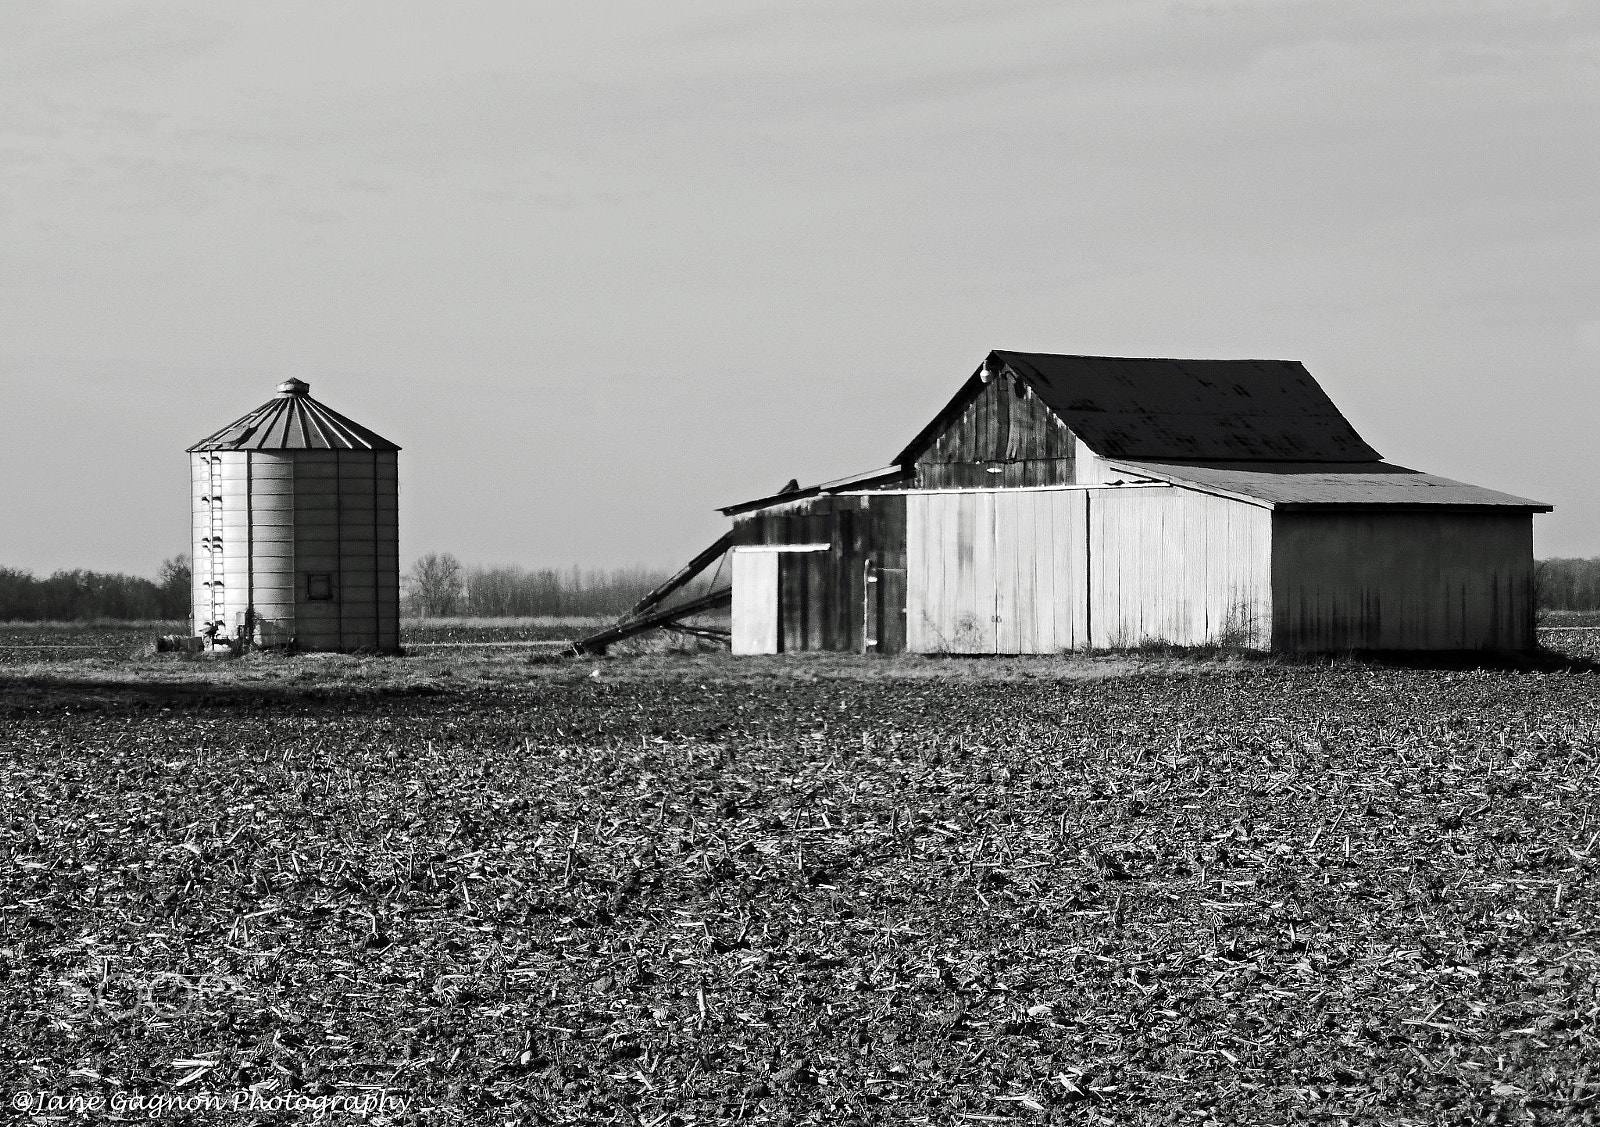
[(1081, 502)]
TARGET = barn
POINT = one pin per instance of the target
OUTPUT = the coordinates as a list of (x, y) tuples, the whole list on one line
[(1082, 502)]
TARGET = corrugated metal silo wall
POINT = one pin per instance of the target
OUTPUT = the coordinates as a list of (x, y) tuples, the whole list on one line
[(199, 545), (1403, 580), (287, 516), (825, 599), (346, 528), (235, 492), (270, 542)]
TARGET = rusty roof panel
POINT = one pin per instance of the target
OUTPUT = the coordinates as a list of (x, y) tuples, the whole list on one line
[(1317, 484), (1257, 410), (292, 420)]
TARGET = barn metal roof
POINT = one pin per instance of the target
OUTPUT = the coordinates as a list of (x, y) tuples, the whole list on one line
[(1303, 485), (292, 420), (1123, 407), (838, 485)]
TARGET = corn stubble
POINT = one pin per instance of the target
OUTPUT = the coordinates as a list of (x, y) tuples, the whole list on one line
[(674, 894)]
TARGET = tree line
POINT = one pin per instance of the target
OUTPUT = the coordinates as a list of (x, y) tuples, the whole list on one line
[(439, 586), (1567, 584), (78, 595)]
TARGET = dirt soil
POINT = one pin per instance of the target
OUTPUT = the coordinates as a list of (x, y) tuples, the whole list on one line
[(675, 890)]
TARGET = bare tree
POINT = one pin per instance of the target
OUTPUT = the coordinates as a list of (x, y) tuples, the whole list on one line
[(173, 582), (433, 585)]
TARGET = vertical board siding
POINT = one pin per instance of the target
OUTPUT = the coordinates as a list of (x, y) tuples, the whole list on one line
[(1004, 426), (1178, 567), (755, 602), (994, 572), (1403, 581), (824, 600), (889, 565)]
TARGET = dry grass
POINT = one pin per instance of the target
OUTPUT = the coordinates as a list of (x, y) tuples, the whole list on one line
[(157, 625)]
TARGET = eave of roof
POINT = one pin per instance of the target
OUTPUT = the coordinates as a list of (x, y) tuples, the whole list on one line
[(1318, 485)]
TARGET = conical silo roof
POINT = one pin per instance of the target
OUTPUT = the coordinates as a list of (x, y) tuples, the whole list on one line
[(292, 420)]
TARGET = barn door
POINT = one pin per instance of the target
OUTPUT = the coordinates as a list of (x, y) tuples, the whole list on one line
[(1041, 599), (950, 573), (883, 608), (995, 572), (755, 602)]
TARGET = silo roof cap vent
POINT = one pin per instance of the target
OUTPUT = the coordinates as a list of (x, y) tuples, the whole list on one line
[(294, 387)]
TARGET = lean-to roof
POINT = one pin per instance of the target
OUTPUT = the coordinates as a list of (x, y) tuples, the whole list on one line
[(1304, 485)]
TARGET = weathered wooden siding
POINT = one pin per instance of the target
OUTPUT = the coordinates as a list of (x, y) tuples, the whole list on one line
[(995, 572), (1004, 428), (853, 593), (1175, 566), (755, 602), (1039, 571), (950, 573), (1402, 581), (1046, 570)]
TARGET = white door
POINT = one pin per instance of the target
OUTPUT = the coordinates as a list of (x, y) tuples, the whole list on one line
[(755, 602)]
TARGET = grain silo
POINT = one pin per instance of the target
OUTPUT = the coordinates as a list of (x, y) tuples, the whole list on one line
[(295, 526)]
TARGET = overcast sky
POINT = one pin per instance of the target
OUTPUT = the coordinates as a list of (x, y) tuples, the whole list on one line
[(601, 267)]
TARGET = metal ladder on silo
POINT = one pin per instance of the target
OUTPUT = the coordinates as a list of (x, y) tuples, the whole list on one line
[(216, 591)]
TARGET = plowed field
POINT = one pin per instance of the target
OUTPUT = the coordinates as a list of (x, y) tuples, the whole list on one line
[(679, 890)]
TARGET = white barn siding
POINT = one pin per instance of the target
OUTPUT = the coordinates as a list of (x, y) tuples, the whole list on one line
[(1039, 546), (1180, 567), (1403, 580), (1045, 570), (995, 572), (950, 573)]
